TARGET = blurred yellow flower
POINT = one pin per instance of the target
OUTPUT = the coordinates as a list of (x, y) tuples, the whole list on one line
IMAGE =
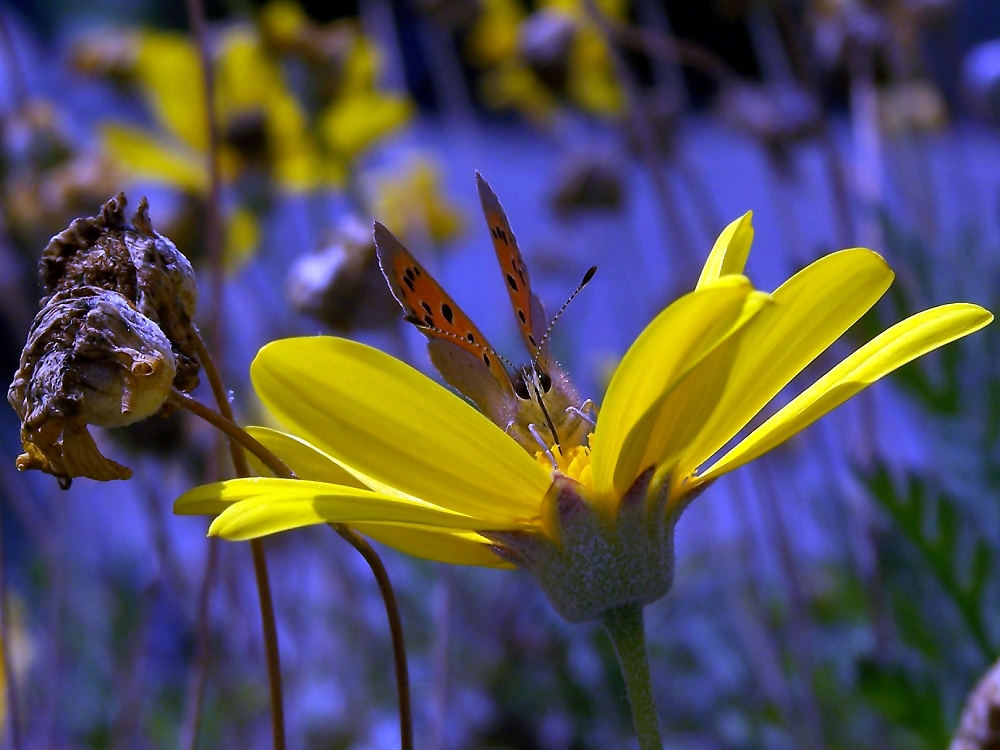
[(362, 114), (414, 206), (261, 122), (528, 59), (242, 237)]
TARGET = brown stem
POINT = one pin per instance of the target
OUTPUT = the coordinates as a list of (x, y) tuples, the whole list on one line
[(225, 422), (280, 469), (655, 43), (395, 628), (233, 432), (213, 212)]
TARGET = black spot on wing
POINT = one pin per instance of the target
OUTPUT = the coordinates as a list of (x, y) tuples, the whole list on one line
[(520, 314), (447, 312), (409, 282), (428, 308), (486, 359), (429, 320), (513, 284)]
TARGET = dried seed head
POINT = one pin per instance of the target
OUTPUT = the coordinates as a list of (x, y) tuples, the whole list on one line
[(979, 728), (341, 284), (91, 359), (589, 182), (130, 258)]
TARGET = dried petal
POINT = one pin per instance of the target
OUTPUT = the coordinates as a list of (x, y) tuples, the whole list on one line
[(91, 359), (133, 260)]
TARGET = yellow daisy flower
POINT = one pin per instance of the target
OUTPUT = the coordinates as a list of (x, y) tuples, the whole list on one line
[(381, 446)]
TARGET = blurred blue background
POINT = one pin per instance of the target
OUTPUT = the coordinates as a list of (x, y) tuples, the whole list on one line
[(841, 593)]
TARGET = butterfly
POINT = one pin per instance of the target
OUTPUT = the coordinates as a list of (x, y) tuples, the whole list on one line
[(536, 404)]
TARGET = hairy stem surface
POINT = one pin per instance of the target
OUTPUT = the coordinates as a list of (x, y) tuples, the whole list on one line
[(625, 629)]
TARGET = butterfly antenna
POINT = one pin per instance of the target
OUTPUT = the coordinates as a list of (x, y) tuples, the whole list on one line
[(421, 325), (548, 331)]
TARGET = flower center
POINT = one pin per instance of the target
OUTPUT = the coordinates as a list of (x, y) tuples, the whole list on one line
[(575, 463)]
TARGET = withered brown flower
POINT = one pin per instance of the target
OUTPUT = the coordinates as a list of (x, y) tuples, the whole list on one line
[(91, 359), (132, 259), (341, 284)]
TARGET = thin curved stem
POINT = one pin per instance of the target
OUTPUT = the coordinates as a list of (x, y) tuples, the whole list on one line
[(225, 421), (236, 435), (395, 628), (625, 629), (280, 469)]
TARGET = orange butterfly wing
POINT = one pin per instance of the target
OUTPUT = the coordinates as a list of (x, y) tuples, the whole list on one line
[(528, 308), (424, 300)]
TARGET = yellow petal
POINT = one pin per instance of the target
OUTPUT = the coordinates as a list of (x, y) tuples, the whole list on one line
[(674, 419), (668, 348), (356, 122), (246, 78), (811, 310), (307, 461), (334, 504), (147, 158), (453, 547), (431, 543), (893, 348), (260, 506), (242, 238), (730, 252), (396, 429), (170, 72)]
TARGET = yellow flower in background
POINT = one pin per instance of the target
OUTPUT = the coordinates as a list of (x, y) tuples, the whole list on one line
[(241, 238), (381, 446), (413, 204), (527, 58), (260, 120), (362, 114)]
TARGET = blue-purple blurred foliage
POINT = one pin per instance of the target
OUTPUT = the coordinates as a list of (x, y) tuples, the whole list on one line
[(841, 593)]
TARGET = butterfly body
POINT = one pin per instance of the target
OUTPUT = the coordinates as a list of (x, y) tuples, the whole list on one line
[(537, 404)]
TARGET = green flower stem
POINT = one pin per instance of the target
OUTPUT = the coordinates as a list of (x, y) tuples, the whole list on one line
[(624, 627)]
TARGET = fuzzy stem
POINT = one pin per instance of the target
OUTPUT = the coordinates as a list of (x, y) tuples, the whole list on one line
[(625, 629)]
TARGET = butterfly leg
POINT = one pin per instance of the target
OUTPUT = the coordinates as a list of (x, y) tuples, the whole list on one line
[(581, 411), (538, 438)]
